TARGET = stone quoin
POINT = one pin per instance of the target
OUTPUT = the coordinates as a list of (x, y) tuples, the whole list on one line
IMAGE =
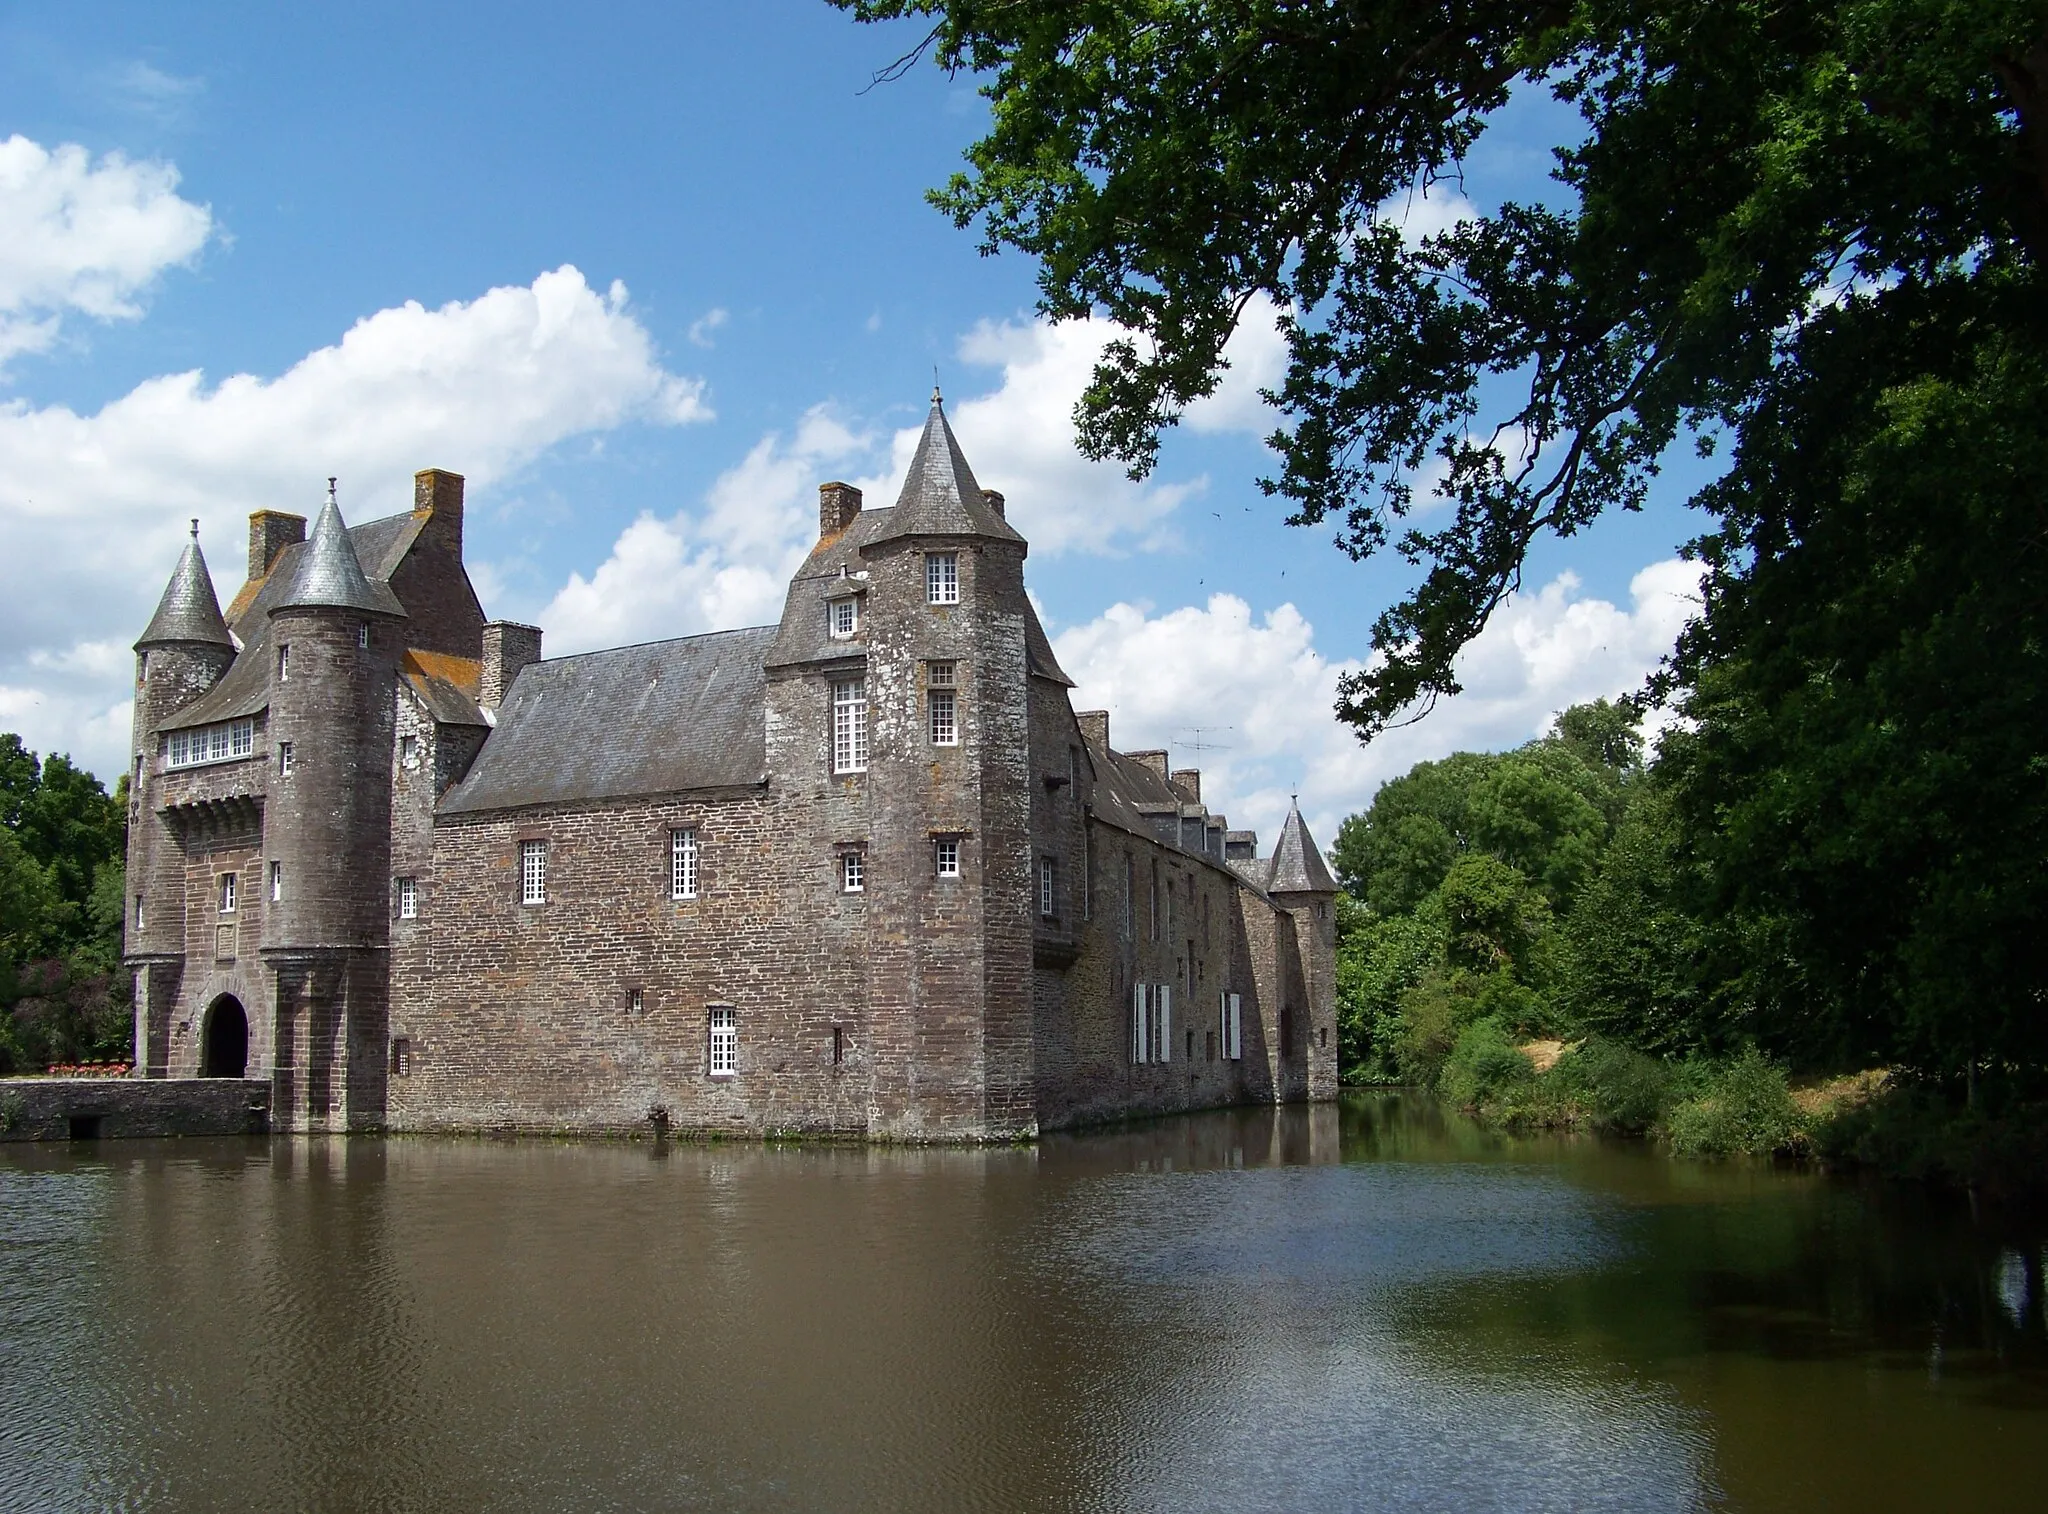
[(864, 872)]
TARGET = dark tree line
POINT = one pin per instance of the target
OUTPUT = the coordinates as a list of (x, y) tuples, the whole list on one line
[(63, 995)]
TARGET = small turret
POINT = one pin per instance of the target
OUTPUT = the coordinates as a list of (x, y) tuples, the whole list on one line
[(1298, 867), (1300, 882), (188, 612)]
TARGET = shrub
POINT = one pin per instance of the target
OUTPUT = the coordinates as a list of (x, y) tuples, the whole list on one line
[(1738, 1107), (1616, 1086), (1483, 1066)]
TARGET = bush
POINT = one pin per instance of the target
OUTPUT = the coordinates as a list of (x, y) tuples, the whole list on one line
[(1616, 1087), (1733, 1108), (1483, 1066)]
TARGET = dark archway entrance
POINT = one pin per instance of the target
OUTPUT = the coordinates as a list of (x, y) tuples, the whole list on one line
[(224, 1053)]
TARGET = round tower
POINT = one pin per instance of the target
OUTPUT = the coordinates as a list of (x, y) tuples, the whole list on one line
[(180, 656), (334, 642)]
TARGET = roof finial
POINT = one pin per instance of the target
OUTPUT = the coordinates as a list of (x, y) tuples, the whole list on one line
[(937, 399), (330, 490), (195, 528)]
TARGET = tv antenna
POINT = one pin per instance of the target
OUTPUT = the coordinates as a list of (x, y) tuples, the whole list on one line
[(1199, 745)]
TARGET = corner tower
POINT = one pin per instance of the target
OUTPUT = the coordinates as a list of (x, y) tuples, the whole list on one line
[(335, 641), (180, 656), (950, 943), (1300, 882)]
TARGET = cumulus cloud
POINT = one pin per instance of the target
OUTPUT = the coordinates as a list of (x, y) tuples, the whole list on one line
[(84, 235), (93, 506), (1427, 210), (1260, 692), (724, 564)]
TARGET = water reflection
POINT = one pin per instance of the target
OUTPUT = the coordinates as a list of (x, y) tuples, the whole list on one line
[(1374, 1306)]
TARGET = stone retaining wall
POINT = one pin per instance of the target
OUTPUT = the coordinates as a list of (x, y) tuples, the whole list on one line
[(71, 1109)]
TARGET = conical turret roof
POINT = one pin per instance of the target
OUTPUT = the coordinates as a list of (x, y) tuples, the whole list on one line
[(188, 611), (940, 496), (1298, 866), (330, 576)]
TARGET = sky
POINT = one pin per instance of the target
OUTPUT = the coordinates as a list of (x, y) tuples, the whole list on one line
[(647, 275)]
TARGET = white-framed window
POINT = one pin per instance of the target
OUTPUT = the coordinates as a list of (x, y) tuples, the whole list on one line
[(363, 637), (138, 912), (842, 617), (409, 751), (636, 1001), (1141, 1022), (284, 662), (408, 898), (533, 872), (229, 886), (945, 717), (401, 1056), (946, 857), (210, 743), (276, 881), (850, 726), (284, 759), (1233, 1027), (942, 578), (723, 1051), (853, 870), (1162, 1022), (1048, 888), (682, 863)]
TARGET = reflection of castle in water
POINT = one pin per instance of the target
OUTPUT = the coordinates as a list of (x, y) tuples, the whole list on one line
[(864, 871)]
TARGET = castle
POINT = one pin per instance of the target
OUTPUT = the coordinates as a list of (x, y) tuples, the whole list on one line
[(863, 872)]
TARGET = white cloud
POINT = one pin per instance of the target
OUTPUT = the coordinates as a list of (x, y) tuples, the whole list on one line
[(92, 507), (84, 236), (705, 324), (1162, 676), (1427, 210), (727, 564)]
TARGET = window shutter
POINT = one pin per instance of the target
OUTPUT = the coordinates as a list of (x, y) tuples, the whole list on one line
[(1139, 1044), (1165, 1022)]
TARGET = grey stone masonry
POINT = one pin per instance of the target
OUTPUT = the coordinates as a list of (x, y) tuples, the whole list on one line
[(864, 872)]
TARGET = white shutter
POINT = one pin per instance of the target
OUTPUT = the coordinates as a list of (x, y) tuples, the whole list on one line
[(1166, 1022), (1140, 1041), (1236, 1027)]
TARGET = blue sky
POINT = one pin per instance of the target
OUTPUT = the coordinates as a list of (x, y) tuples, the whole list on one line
[(646, 274)]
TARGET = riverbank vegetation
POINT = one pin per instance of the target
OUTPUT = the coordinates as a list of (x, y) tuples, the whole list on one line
[(63, 995)]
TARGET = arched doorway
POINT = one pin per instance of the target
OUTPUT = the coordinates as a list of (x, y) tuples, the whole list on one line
[(224, 1049)]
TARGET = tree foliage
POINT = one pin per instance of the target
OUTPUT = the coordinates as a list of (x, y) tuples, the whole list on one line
[(62, 839), (1740, 163)]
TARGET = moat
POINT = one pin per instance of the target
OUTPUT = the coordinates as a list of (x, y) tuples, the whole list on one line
[(1367, 1306)]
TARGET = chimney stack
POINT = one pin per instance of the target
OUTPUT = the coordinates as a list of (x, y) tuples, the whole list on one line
[(994, 499), (508, 647), (270, 532), (437, 494), (838, 504), (1156, 761), (1094, 727), (1187, 782)]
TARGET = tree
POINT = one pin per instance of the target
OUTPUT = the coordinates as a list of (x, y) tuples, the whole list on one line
[(1742, 166)]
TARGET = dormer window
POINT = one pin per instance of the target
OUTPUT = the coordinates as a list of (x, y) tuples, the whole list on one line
[(942, 578), (842, 617)]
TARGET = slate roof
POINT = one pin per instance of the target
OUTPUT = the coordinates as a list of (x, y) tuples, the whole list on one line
[(188, 611), (940, 496), (329, 574), (447, 686), (1297, 867), (244, 689), (665, 717)]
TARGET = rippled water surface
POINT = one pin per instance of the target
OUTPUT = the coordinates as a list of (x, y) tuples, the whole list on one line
[(1367, 1307)]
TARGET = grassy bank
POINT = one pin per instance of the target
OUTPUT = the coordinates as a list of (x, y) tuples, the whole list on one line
[(1747, 1105)]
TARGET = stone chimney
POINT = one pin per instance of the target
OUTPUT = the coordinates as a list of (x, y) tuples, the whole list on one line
[(437, 494), (1094, 727), (270, 532), (1153, 760), (993, 498), (1187, 782), (508, 647), (838, 504)]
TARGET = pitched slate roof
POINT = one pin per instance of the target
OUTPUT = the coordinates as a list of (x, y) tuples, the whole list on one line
[(666, 717), (188, 611), (329, 574), (940, 496), (1297, 867)]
